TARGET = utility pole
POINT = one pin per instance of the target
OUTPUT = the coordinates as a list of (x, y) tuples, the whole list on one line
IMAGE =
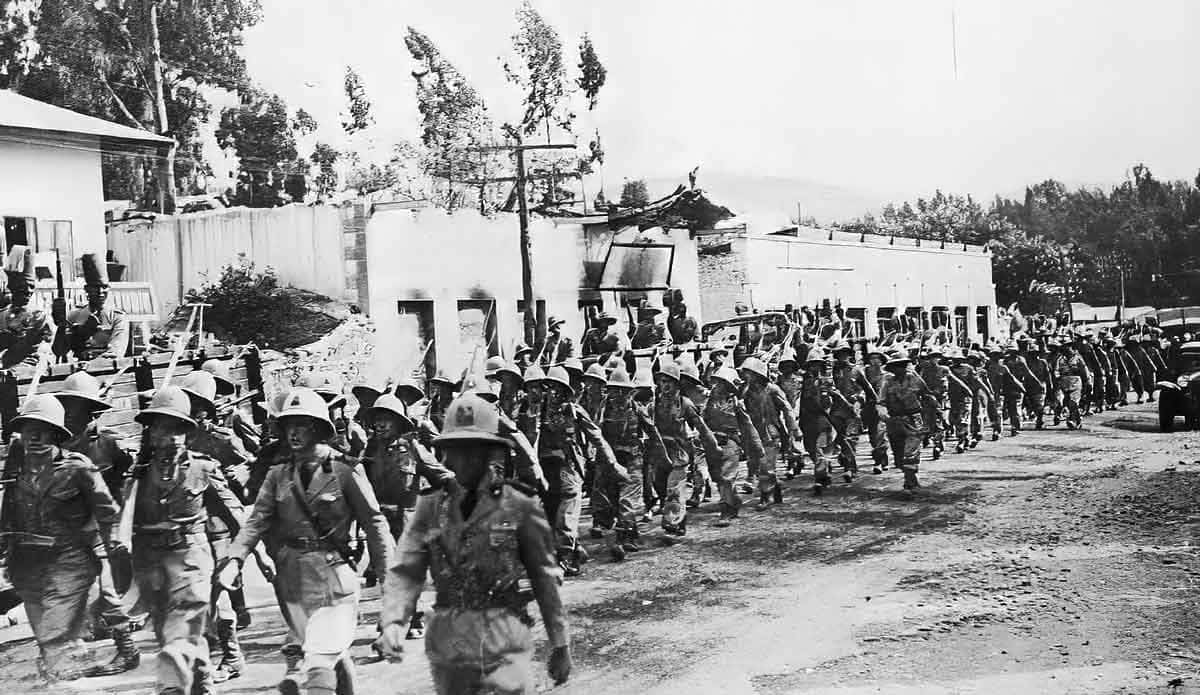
[(531, 327)]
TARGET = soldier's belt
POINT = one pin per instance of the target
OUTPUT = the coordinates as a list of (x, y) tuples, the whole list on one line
[(309, 544), (476, 599), (36, 541), (723, 438), (165, 538)]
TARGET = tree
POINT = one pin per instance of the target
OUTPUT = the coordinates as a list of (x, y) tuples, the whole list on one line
[(541, 74), (634, 194), (358, 117), (326, 181), (144, 64), (592, 73), (261, 133)]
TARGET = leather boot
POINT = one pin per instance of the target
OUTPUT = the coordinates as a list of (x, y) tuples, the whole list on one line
[(293, 654), (232, 661), (416, 626), (127, 658)]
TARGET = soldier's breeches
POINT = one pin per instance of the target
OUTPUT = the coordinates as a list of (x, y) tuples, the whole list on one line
[(995, 408), (876, 434), (1012, 410), (932, 413), (960, 415), (904, 435), (978, 405), (479, 652), (846, 440), (822, 447), (563, 501), (671, 479), (53, 584), (768, 466), (326, 631), (628, 497), (605, 494), (109, 604), (176, 587), (723, 469), (222, 608), (1037, 403)]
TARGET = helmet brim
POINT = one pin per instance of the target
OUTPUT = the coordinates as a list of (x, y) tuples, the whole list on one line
[(58, 429), (95, 403), (146, 417)]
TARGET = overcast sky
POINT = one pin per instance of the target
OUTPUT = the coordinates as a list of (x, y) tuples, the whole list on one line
[(855, 93)]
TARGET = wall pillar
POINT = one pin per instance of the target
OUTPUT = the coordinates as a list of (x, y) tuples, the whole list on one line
[(354, 254)]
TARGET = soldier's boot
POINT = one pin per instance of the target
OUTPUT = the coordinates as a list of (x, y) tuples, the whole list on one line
[(370, 579), (619, 553), (910, 479), (777, 494), (293, 654), (127, 658), (764, 501), (203, 682), (726, 516), (568, 564), (344, 676), (320, 681), (237, 599), (232, 661), (961, 445), (416, 626)]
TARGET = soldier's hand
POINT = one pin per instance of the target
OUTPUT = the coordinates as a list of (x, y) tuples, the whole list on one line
[(229, 573), (390, 644), (560, 665), (266, 566)]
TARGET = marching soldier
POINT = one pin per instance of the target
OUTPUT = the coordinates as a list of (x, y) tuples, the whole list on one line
[(998, 378), (490, 551), (673, 414), (1015, 389), (82, 404), (904, 396), (771, 415), (93, 330), (963, 411), (591, 397), (441, 392), (876, 429), (57, 517), (857, 393), (349, 437), (395, 464), (623, 424), (224, 447), (173, 492), (692, 387), (984, 397), (733, 435), (817, 428), (790, 381), (307, 505), (937, 378), (23, 332), (1073, 379), (1037, 385)]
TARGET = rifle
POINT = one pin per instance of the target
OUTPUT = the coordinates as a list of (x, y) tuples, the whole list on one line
[(58, 308)]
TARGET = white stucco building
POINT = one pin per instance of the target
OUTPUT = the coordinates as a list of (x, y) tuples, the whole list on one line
[(872, 277), (50, 187)]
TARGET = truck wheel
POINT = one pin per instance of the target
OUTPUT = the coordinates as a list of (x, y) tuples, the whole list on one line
[(1166, 417)]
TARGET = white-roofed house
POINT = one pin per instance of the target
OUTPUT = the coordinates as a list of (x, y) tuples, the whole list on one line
[(50, 183)]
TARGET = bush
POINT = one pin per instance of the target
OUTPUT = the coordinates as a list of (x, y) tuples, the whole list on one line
[(249, 306)]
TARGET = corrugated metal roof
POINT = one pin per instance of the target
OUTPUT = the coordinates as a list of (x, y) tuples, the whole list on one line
[(17, 111)]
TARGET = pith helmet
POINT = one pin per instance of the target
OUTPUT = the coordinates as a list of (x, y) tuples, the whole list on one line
[(201, 387), (876, 351), (389, 403), (534, 374), (366, 395), (171, 402), (643, 379), (898, 357), (669, 368), (558, 375), (493, 365), (469, 418), (327, 385), (755, 366), (46, 409), (596, 372), (409, 392), (690, 372), (444, 380), (728, 375), (485, 389), (814, 355), (841, 346), (620, 379), (935, 351), (510, 369), (573, 365), (306, 403), (84, 387), (220, 371)]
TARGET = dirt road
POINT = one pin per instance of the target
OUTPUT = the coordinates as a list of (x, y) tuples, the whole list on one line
[(1053, 562)]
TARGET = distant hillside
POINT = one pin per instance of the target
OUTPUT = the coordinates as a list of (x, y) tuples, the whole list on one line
[(769, 198)]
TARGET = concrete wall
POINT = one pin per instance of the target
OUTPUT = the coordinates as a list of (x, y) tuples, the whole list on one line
[(769, 272), (54, 179), (430, 255), (175, 254)]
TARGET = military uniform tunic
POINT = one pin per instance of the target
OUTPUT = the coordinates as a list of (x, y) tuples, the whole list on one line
[(903, 397), (53, 516), (487, 564), (22, 332), (92, 334)]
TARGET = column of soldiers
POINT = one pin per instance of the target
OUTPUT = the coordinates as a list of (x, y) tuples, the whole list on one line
[(478, 484)]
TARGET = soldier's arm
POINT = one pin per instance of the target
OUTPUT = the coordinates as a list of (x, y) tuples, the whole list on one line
[(406, 575), (785, 411), (594, 437), (536, 543), (361, 498), (220, 500), (262, 516), (105, 509), (692, 416), (959, 382), (118, 340), (528, 466), (865, 384), (429, 468), (751, 441)]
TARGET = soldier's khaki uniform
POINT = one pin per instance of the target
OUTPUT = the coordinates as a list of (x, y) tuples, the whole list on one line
[(172, 561), (771, 415), (673, 413), (91, 334), (733, 434), (820, 439), (937, 378), (622, 427), (962, 406), (903, 397), (307, 528), (395, 470), (53, 517), (22, 333), (847, 412), (872, 423), (1035, 388), (486, 569)]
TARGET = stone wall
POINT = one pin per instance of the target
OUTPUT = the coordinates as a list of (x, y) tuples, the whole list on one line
[(722, 283), (348, 351)]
